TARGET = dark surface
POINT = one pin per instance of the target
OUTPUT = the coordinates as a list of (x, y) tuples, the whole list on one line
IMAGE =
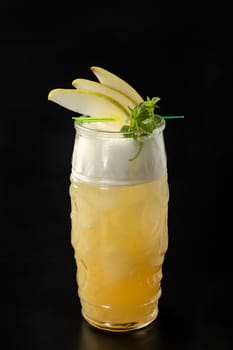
[(187, 61)]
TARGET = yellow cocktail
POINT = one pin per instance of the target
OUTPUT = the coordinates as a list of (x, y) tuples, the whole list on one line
[(119, 234)]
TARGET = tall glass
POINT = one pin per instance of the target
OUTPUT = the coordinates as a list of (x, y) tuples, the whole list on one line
[(119, 198)]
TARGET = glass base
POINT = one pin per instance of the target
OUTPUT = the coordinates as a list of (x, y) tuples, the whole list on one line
[(131, 319), (118, 327)]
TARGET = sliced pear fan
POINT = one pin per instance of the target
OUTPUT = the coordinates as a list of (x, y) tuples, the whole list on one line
[(111, 97), (113, 81)]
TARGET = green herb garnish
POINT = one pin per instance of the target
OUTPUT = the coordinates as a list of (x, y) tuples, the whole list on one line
[(142, 121)]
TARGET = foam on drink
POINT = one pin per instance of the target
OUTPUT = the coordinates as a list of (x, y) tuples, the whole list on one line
[(106, 160)]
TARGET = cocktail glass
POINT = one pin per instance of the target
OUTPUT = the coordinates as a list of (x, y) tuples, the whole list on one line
[(119, 198)]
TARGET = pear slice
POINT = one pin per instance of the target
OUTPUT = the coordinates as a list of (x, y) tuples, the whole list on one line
[(93, 86), (113, 81), (89, 103)]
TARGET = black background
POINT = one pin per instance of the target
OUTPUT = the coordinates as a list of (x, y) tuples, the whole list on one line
[(183, 55)]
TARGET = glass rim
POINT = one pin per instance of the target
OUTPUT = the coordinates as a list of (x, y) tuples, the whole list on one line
[(83, 126)]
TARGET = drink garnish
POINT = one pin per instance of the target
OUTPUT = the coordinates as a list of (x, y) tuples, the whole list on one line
[(111, 100), (143, 119)]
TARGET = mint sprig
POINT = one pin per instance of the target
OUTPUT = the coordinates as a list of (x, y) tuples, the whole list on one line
[(143, 119)]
